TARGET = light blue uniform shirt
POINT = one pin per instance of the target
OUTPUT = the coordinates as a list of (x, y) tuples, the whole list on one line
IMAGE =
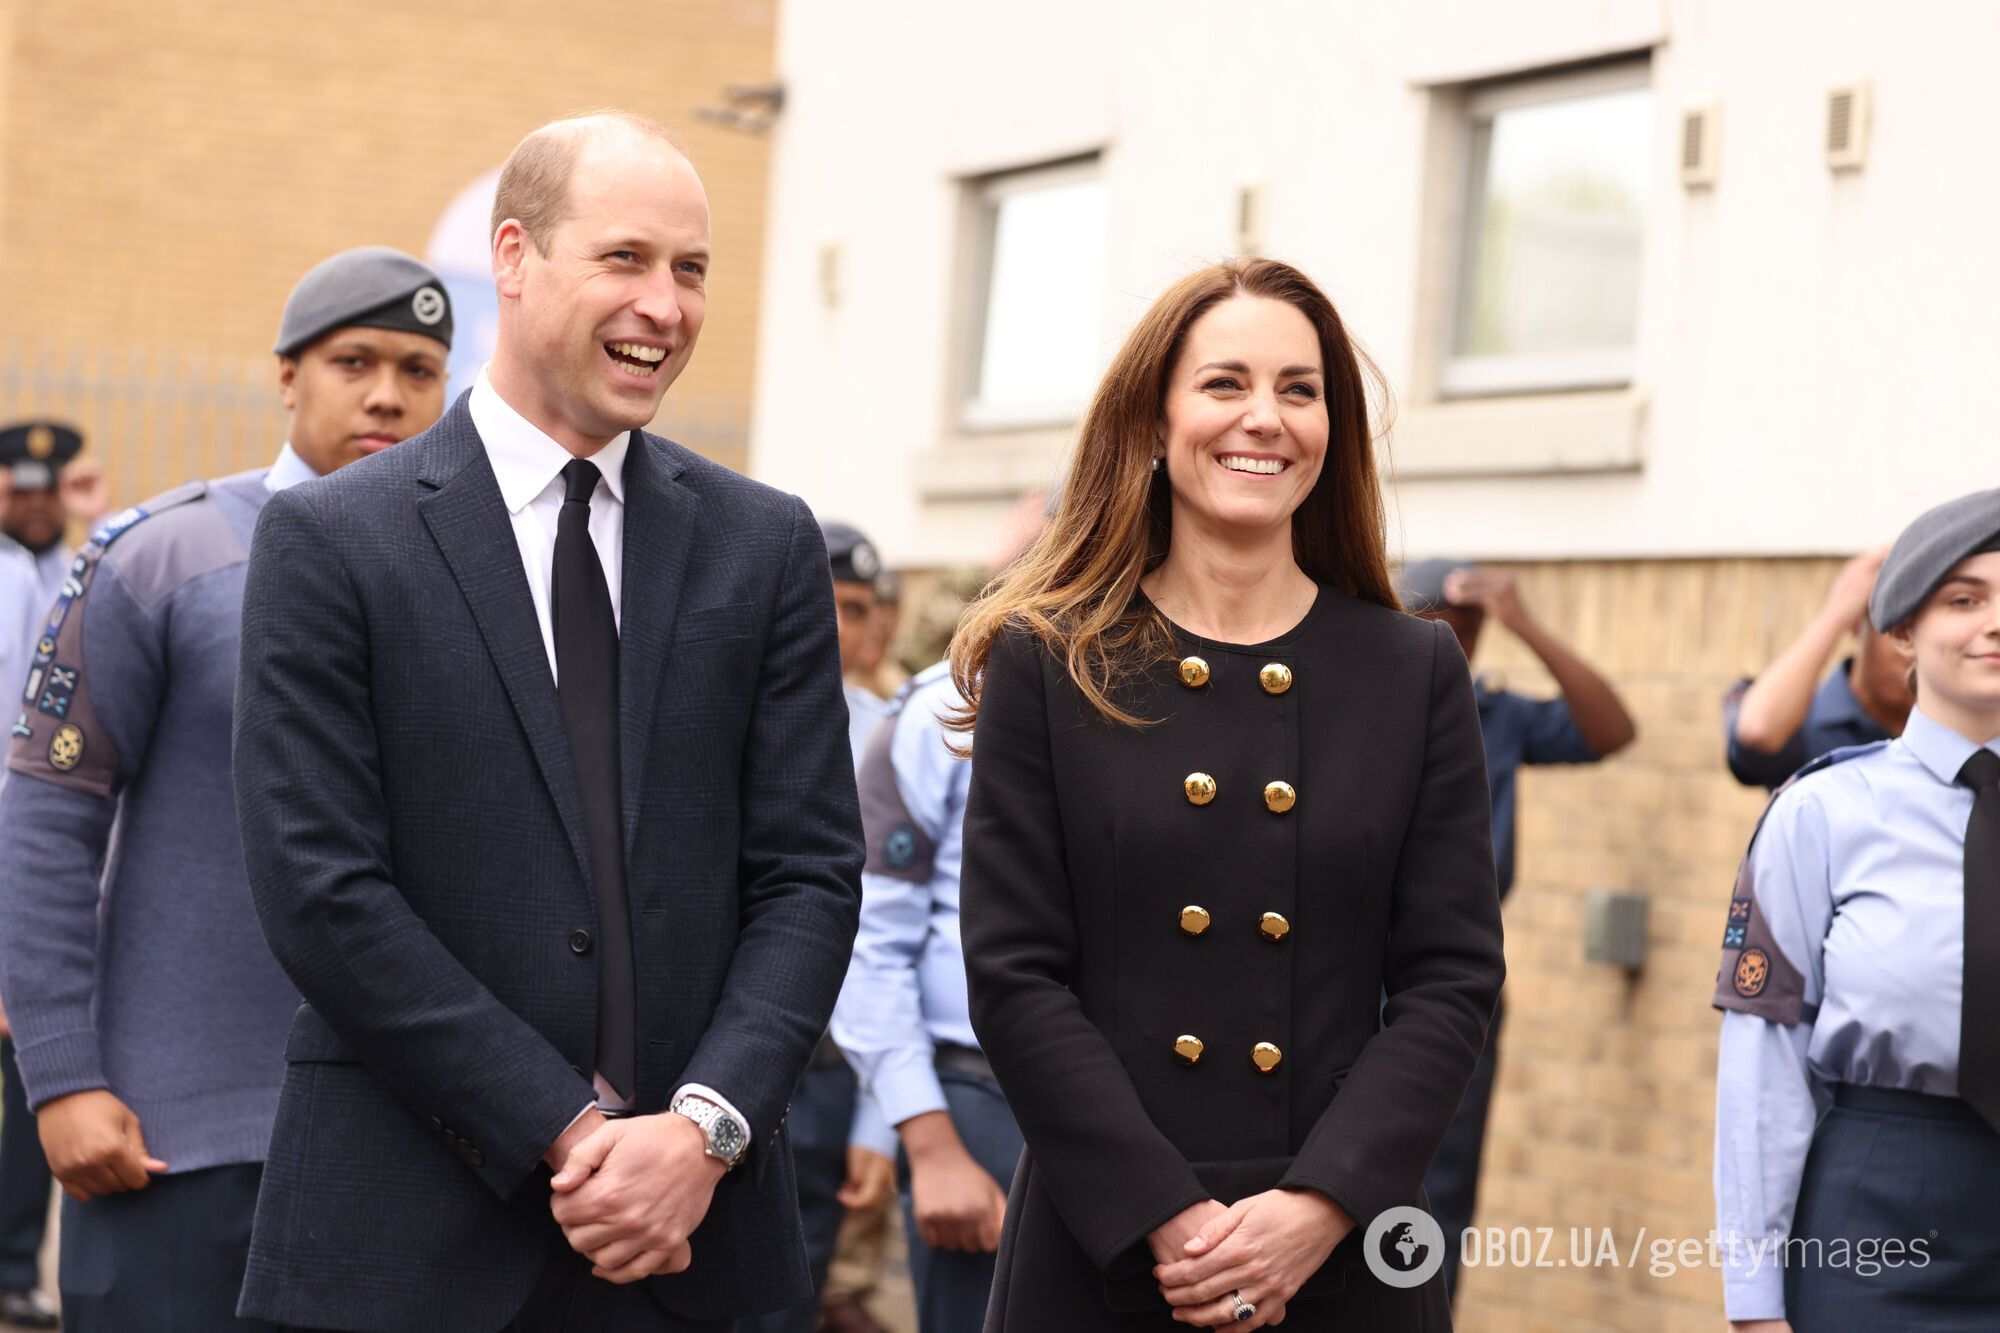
[(865, 713), (905, 991), (21, 607), (1843, 962)]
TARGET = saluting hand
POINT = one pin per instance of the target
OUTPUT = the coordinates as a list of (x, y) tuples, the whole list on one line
[(631, 1194), (94, 1145), (1493, 591), (1263, 1248)]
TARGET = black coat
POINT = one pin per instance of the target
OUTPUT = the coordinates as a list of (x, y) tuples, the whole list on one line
[(1082, 849), (416, 848)]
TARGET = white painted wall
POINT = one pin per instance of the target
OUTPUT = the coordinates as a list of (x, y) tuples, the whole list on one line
[(1819, 351)]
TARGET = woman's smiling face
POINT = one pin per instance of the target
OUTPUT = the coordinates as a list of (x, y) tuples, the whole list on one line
[(1244, 426)]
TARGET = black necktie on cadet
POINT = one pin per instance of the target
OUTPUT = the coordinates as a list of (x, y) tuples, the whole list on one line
[(1979, 1009), (587, 687)]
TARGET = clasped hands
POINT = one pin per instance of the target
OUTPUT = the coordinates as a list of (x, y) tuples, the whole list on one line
[(1263, 1247), (628, 1193)]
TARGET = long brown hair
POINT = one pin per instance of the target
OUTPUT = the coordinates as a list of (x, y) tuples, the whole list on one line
[(1073, 589)]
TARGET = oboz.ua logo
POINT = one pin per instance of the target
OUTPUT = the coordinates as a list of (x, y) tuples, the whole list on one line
[(1404, 1247)]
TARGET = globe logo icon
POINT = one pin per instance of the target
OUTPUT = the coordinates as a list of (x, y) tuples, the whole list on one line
[(1404, 1247)]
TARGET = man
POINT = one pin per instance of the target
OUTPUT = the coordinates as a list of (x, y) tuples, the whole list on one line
[(1586, 724), (544, 786), (152, 1017), (842, 1149), (51, 485), (1787, 716), (24, 1172)]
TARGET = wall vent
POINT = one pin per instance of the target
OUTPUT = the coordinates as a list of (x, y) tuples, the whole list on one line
[(1700, 136), (1250, 221), (1847, 114)]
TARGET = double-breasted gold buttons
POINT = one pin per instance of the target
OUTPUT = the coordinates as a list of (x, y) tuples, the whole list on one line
[(1200, 788), (1273, 926), (1276, 678), (1266, 1057), (1194, 919), (1188, 1049), (1279, 797), (1194, 672)]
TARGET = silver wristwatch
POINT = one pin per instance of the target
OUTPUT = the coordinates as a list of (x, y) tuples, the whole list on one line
[(726, 1139)]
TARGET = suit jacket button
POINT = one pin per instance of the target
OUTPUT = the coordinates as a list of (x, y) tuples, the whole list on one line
[(1187, 1049), (1193, 672), (1279, 797), (1274, 926), (579, 941), (1265, 1056), (1200, 788), (1194, 919), (1276, 678)]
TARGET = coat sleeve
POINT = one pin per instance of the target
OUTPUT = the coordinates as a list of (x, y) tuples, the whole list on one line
[(1371, 1147), (799, 859), (316, 840), (1111, 1173)]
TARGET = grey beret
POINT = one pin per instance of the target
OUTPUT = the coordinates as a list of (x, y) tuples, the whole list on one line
[(1928, 550), (1421, 585), (373, 287), (852, 555)]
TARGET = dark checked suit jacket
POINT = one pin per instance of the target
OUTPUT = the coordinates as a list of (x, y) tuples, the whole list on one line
[(416, 846)]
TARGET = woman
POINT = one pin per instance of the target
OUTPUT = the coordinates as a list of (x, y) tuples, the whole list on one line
[(1229, 911), (1861, 963)]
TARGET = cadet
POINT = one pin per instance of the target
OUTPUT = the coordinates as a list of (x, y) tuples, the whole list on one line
[(50, 486), (841, 1148), (1587, 723), (903, 1019), (151, 1015), (1787, 716), (1861, 959)]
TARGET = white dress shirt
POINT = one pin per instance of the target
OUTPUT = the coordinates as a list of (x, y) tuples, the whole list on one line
[(528, 465)]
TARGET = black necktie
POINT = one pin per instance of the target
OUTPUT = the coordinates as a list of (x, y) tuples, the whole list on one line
[(1979, 1010), (587, 687)]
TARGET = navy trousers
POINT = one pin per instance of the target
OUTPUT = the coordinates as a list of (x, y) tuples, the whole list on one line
[(952, 1286), (822, 1117), (24, 1180), (1890, 1166), (1453, 1180), (164, 1259)]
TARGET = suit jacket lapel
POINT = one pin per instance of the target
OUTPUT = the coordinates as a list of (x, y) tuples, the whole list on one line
[(471, 526), (660, 516)]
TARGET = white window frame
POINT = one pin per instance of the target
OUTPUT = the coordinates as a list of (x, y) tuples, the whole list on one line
[(1461, 376), (983, 198)]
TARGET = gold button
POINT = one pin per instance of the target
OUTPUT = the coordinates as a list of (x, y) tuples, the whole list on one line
[(1278, 797), (1265, 1056), (1187, 1049), (1276, 678), (1274, 926), (1194, 672), (1200, 788), (1194, 920)]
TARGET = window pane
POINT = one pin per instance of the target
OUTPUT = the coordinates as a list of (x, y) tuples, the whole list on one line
[(1044, 298), (1552, 265)]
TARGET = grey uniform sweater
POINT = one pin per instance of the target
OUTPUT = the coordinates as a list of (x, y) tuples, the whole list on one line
[(130, 953)]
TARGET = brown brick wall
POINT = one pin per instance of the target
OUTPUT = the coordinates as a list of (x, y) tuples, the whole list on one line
[(1605, 1107), (168, 171)]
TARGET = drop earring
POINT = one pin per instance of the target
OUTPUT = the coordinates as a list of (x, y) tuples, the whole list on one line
[(1157, 460)]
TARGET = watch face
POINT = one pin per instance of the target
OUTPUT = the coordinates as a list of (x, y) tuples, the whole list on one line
[(726, 1136)]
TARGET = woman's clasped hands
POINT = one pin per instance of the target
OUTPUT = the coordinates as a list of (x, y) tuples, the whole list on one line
[(1254, 1255)]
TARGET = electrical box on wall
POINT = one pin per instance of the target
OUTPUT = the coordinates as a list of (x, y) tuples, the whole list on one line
[(1615, 929), (1848, 110), (1700, 136)]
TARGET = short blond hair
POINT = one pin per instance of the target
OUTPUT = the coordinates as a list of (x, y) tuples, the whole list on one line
[(534, 181)]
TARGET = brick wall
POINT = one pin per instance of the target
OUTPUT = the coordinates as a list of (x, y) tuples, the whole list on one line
[(1605, 1107), (168, 171)]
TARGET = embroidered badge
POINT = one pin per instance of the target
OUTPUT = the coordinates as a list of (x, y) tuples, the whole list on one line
[(21, 727), (1733, 936), (1739, 909), (1753, 969), (57, 691), (900, 849), (66, 747), (34, 690), (427, 305)]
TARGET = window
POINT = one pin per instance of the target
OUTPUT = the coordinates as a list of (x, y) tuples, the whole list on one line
[(1547, 295), (1038, 298)]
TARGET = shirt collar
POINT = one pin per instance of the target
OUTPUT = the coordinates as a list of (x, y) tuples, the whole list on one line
[(524, 458), (1936, 746), (287, 470)]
